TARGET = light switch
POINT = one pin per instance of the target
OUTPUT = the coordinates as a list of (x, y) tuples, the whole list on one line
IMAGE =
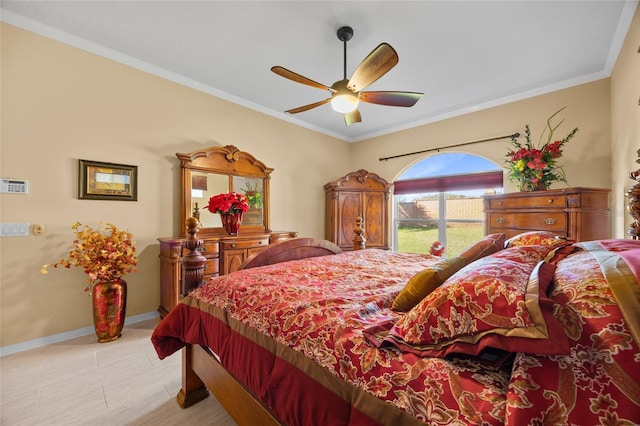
[(15, 230)]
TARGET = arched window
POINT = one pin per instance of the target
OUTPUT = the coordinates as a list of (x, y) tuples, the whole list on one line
[(440, 199)]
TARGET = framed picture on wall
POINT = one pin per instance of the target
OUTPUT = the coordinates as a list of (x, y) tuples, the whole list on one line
[(107, 181)]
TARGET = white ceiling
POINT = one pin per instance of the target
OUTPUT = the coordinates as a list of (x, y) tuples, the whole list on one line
[(463, 55)]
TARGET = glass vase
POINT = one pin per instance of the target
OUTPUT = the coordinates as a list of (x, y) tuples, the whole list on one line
[(527, 186), (231, 222)]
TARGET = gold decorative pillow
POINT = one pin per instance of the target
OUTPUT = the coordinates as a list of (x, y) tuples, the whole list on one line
[(424, 282)]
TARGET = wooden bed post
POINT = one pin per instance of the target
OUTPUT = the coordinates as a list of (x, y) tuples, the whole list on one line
[(193, 389), (633, 206), (192, 261), (359, 241)]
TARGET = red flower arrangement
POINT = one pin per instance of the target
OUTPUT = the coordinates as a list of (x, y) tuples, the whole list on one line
[(231, 202), (536, 167)]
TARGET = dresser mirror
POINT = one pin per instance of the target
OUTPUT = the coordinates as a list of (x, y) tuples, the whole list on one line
[(218, 170)]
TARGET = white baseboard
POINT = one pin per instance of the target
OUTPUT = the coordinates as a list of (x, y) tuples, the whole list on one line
[(67, 335)]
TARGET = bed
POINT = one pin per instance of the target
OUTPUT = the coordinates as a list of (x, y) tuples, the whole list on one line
[(530, 330)]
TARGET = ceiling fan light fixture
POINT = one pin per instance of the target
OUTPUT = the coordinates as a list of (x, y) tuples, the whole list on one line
[(343, 100), (344, 103), (346, 94)]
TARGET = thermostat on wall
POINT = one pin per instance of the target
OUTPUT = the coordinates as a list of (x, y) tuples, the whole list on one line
[(14, 186)]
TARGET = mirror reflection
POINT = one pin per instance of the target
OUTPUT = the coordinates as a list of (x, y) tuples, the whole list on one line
[(252, 189), (203, 187)]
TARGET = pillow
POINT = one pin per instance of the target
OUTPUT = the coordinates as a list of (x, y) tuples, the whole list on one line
[(425, 281), (535, 238), (496, 302), (483, 247)]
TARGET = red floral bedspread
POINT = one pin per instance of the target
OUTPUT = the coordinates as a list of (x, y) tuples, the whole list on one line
[(318, 308), (598, 383)]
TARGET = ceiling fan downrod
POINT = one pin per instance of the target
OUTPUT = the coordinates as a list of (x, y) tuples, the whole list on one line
[(344, 35)]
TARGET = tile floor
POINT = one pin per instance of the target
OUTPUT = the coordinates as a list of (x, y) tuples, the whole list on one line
[(82, 382)]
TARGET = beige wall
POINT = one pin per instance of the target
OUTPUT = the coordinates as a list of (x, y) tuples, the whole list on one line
[(586, 157), (61, 104), (625, 123)]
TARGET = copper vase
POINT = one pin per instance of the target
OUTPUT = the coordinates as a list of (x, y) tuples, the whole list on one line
[(109, 308), (231, 222)]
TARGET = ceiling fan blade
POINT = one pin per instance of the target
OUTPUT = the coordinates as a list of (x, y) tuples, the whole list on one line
[(375, 65), (308, 107), (352, 117), (283, 72), (403, 99)]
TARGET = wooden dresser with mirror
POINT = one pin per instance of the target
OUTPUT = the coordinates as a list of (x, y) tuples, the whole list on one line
[(205, 173)]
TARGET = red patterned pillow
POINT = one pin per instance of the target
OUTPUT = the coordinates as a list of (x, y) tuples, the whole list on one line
[(535, 238), (483, 247), (498, 301)]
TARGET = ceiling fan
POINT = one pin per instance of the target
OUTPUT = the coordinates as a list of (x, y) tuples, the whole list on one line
[(346, 94)]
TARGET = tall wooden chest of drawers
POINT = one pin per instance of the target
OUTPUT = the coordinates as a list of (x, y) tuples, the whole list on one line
[(580, 214)]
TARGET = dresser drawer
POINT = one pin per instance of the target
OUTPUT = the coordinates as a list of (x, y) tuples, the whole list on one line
[(543, 221), (211, 267), (245, 244), (538, 201), (580, 214), (208, 248)]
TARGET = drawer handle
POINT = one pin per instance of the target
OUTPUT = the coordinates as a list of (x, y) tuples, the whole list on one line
[(501, 220), (549, 221), (550, 201), (233, 245), (202, 249)]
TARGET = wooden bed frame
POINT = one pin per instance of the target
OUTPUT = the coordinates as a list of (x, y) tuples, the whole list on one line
[(297, 248), (201, 370)]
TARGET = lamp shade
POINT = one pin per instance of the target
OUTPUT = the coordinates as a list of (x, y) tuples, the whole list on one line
[(343, 99), (344, 103)]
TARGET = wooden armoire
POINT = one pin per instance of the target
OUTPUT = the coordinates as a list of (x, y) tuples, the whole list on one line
[(358, 194)]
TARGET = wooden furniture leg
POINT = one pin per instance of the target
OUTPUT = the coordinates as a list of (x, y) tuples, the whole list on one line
[(193, 389)]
